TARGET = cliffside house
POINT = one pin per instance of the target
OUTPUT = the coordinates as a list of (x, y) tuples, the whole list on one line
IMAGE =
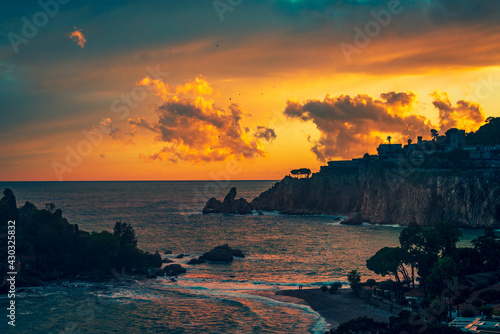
[(393, 155), (341, 166)]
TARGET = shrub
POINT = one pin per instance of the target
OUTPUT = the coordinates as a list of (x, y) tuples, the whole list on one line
[(335, 287), (389, 285), (486, 310), (371, 282), (468, 313), (354, 281), (324, 288), (362, 324)]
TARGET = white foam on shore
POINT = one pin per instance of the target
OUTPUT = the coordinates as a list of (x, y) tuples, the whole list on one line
[(318, 327)]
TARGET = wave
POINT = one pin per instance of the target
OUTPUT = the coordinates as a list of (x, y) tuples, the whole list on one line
[(319, 325)]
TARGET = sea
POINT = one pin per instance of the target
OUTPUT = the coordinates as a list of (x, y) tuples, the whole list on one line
[(283, 252)]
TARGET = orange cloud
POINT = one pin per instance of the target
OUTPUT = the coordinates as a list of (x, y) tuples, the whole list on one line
[(352, 126), (193, 128), (468, 116), (78, 37)]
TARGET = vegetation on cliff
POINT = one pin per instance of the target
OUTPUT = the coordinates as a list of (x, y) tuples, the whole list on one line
[(488, 134), (49, 247)]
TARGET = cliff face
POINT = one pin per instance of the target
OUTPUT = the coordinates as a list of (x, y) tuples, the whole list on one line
[(464, 198)]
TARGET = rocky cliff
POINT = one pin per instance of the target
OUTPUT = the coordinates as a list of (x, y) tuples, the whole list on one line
[(372, 194)]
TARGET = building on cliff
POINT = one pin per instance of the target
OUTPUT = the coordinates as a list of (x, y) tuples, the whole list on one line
[(441, 153), (341, 166)]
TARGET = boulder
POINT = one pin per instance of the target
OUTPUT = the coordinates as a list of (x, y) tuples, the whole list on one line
[(213, 206), (166, 261), (174, 270), (219, 254), (168, 252), (355, 219), (229, 205), (180, 256), (222, 253), (237, 253)]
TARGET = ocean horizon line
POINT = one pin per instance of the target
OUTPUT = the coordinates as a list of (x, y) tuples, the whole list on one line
[(83, 181)]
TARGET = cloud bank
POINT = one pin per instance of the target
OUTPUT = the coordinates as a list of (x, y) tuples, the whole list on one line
[(193, 128), (352, 126)]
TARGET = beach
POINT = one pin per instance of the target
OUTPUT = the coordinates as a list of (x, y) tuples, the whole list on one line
[(334, 308)]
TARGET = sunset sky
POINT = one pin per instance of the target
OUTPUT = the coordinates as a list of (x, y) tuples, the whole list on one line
[(188, 90)]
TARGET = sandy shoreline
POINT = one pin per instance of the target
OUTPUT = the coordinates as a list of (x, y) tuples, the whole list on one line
[(334, 308)]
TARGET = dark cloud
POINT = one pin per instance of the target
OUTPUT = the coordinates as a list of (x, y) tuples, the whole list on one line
[(402, 99), (141, 122), (193, 128), (265, 133), (352, 126)]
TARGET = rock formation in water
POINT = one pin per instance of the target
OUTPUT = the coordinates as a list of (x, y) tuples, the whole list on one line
[(230, 205), (222, 253), (174, 270), (377, 195)]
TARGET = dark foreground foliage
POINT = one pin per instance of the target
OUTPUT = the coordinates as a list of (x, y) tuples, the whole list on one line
[(48, 247), (403, 323)]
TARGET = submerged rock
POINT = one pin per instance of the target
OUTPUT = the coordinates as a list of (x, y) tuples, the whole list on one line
[(196, 261), (355, 219)]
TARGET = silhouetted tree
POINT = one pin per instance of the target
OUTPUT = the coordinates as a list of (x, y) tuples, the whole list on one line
[(411, 240), (125, 233), (488, 248), (389, 260), (301, 171), (434, 134), (354, 280)]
